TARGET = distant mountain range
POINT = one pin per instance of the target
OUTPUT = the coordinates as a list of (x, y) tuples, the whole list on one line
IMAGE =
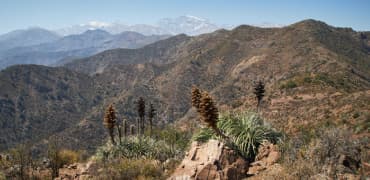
[(46, 47), (52, 50), (26, 37), (56, 47), (189, 25)]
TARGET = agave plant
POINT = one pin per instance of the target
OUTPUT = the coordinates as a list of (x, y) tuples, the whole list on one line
[(135, 147), (244, 130), (247, 131)]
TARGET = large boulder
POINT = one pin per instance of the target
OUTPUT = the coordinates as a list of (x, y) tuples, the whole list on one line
[(211, 160)]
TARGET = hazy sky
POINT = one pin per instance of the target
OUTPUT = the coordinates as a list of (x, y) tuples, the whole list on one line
[(53, 14)]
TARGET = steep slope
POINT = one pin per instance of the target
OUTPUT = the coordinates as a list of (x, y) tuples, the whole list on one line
[(161, 52), (309, 82), (38, 101), (228, 62)]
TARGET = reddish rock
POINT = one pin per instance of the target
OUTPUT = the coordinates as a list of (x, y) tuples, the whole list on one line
[(208, 172), (211, 160), (268, 154), (366, 168)]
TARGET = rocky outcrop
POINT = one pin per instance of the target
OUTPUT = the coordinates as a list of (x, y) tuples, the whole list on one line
[(211, 160), (268, 155), (76, 171)]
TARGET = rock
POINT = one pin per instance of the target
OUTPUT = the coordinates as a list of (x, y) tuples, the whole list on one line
[(72, 166), (276, 171), (273, 157), (349, 177), (208, 172), (268, 155), (46, 163), (78, 171), (258, 163), (169, 163), (211, 160), (320, 177), (253, 170), (85, 177), (366, 168), (84, 172), (350, 163), (76, 175)]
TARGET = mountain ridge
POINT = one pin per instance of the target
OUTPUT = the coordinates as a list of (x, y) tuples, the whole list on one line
[(303, 75), (187, 24), (82, 45), (27, 37)]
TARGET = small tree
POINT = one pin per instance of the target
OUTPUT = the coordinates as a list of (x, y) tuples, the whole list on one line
[(259, 91), (195, 97), (110, 121), (21, 157), (141, 113), (54, 156), (151, 114), (209, 112)]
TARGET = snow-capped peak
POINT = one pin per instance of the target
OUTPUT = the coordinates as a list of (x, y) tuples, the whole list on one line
[(188, 24), (96, 24), (195, 18)]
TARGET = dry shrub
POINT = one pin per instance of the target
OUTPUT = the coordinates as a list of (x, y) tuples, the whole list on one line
[(2, 176), (132, 169), (322, 154), (69, 157)]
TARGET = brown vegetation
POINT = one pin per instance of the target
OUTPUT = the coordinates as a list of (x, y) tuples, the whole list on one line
[(141, 113), (110, 121)]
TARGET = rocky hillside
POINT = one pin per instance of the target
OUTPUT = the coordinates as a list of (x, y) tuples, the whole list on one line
[(38, 101), (307, 63), (315, 75)]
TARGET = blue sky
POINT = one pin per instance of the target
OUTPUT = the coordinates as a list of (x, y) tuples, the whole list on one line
[(53, 14)]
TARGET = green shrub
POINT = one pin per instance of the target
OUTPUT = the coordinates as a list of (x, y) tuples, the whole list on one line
[(204, 135), (324, 78), (135, 148), (356, 115), (4, 163), (362, 126), (174, 138), (307, 79), (150, 170), (68, 157), (143, 157), (289, 85), (2, 176), (132, 169), (245, 131)]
